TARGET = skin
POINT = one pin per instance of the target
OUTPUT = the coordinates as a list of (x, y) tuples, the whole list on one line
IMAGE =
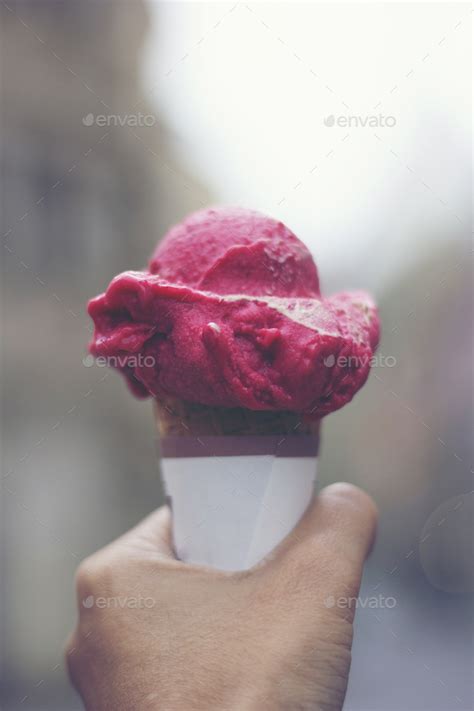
[(160, 634)]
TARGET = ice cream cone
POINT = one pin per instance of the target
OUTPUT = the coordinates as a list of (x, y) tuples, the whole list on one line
[(229, 311), (238, 480)]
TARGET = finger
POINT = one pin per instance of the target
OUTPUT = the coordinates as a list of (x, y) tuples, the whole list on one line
[(100, 572), (341, 517), (152, 535), (334, 537)]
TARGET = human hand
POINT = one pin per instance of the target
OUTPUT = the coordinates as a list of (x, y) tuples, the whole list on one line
[(155, 633)]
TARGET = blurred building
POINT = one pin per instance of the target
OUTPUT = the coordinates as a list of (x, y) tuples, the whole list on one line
[(84, 197), (93, 196)]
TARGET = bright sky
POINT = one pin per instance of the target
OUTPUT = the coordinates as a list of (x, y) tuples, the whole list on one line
[(245, 90)]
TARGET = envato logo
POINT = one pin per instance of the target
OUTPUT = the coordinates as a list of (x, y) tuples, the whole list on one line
[(376, 361), (132, 120), (376, 602), (134, 360), (119, 603), (374, 121)]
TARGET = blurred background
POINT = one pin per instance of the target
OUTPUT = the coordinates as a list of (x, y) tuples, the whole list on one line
[(351, 123)]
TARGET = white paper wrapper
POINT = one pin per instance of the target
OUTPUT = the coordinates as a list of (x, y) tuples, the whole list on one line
[(231, 510)]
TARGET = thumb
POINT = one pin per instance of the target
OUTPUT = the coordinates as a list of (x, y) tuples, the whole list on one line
[(152, 535), (330, 544)]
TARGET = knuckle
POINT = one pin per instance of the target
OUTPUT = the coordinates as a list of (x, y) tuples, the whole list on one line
[(94, 576), (87, 576), (70, 647), (334, 564), (72, 657)]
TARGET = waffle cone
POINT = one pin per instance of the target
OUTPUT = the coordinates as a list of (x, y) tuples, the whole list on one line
[(181, 418)]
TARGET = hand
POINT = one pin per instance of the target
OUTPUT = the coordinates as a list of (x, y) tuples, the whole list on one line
[(154, 633)]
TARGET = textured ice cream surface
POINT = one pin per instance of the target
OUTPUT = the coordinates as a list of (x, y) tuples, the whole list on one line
[(230, 314), (236, 251)]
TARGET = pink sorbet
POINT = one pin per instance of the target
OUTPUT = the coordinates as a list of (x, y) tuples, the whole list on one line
[(230, 314)]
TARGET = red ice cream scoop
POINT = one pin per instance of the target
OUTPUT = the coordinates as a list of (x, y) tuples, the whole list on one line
[(230, 314)]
